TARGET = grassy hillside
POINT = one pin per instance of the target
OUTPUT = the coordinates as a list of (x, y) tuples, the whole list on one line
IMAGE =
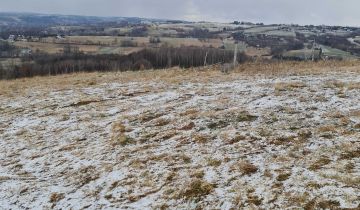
[(267, 135)]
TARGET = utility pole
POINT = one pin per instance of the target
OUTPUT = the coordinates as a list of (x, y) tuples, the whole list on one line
[(235, 54), (205, 63), (312, 50)]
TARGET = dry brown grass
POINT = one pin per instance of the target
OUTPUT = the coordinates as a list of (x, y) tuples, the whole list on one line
[(283, 177), (196, 189), (176, 75), (329, 204), (118, 135), (161, 122), (341, 85), (304, 134), (213, 162), (327, 128), (354, 113), (56, 197), (353, 85), (186, 159), (247, 167), (167, 135), (202, 138), (334, 84), (188, 126), (245, 136), (288, 86), (254, 199), (198, 174), (245, 116), (189, 112), (323, 161), (350, 154), (284, 140), (347, 179), (235, 139), (334, 114)]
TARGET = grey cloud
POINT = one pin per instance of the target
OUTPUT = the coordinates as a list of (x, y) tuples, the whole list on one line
[(332, 12)]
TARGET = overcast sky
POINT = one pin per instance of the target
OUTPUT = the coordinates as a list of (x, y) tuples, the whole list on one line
[(331, 12)]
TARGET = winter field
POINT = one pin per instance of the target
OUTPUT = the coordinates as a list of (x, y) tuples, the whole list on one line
[(266, 136)]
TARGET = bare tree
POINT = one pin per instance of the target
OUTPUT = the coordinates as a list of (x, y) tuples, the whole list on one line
[(2, 72)]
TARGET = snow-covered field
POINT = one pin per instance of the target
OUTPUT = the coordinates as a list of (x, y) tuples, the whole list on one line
[(198, 140)]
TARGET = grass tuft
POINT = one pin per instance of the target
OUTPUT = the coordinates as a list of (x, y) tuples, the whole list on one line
[(245, 116), (283, 177), (119, 136), (320, 163), (202, 138), (248, 168), (288, 86), (56, 197), (196, 189), (213, 162)]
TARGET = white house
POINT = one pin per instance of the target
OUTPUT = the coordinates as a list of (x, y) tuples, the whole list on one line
[(11, 38)]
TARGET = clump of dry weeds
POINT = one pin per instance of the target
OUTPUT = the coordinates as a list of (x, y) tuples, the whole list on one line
[(288, 86), (56, 197), (247, 167), (245, 116), (119, 136), (323, 161), (283, 177), (213, 162), (202, 138), (196, 189)]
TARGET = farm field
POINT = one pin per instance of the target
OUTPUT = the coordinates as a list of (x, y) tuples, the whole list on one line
[(333, 52), (257, 52), (356, 40), (206, 25), (277, 135), (122, 35), (281, 33), (261, 29), (306, 54), (98, 40), (108, 44), (53, 48)]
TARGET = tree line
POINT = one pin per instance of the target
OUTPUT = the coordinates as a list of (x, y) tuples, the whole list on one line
[(40, 64)]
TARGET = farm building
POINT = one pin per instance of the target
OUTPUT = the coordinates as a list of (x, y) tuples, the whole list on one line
[(11, 38)]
